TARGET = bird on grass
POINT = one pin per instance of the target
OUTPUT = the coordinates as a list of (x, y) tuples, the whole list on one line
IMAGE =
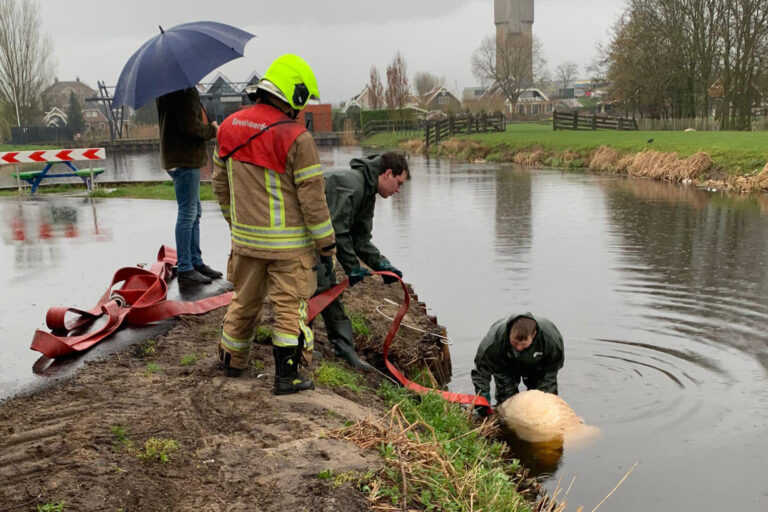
[(649, 141)]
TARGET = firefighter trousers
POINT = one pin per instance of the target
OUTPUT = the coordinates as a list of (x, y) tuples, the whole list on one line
[(288, 284)]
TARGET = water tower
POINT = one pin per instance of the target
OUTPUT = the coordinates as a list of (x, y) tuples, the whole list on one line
[(514, 19)]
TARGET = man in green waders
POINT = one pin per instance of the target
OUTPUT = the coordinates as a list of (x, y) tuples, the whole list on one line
[(518, 347), (351, 196)]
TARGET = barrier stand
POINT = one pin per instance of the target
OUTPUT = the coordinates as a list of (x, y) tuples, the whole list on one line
[(53, 157), (18, 178), (93, 180)]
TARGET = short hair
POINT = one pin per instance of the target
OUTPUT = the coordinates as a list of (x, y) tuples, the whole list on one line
[(395, 161), (522, 328)]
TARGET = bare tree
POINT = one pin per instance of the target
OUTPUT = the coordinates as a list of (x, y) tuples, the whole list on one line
[(424, 82), (375, 89), (397, 83), (510, 64), (26, 65), (672, 58), (566, 72)]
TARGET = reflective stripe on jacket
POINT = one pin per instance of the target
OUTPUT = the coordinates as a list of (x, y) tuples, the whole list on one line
[(274, 215)]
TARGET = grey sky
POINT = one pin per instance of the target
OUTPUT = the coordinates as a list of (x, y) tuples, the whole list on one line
[(341, 39)]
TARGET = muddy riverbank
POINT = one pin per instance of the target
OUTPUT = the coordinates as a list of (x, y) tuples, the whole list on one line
[(99, 440)]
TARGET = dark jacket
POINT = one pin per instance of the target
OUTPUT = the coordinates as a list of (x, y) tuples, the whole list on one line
[(182, 130), (537, 365), (351, 197)]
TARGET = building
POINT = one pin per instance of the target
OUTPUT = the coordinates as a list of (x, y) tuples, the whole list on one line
[(222, 97), (361, 100), (55, 118), (57, 94), (317, 118), (514, 20), (95, 120), (440, 98), (472, 93), (532, 102)]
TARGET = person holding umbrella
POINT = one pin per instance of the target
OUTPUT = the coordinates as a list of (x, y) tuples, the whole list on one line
[(183, 133), (268, 181), (167, 68)]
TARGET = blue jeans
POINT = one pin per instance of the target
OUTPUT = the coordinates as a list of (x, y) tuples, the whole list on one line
[(186, 183)]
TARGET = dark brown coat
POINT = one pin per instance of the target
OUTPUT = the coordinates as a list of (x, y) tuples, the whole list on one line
[(182, 130)]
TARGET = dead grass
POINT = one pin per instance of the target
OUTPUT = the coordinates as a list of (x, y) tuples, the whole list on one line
[(144, 131), (752, 183), (535, 157), (418, 451), (413, 146), (607, 159), (348, 135), (668, 167)]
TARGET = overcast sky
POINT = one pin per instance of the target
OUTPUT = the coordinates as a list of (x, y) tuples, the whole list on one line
[(340, 39)]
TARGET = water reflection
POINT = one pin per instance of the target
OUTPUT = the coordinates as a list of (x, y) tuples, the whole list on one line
[(695, 265), (542, 459), (34, 227), (514, 226)]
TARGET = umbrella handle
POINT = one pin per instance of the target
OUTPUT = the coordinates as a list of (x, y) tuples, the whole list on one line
[(207, 117)]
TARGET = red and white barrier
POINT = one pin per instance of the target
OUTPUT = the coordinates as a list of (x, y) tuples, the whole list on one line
[(52, 155)]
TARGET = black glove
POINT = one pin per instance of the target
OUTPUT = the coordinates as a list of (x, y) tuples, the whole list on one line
[(386, 266), (357, 274), (481, 411)]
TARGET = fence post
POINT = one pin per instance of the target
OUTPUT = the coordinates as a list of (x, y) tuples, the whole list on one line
[(554, 120), (621, 124), (594, 122), (575, 120)]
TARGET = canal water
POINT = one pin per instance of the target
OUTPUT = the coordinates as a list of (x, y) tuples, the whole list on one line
[(660, 292)]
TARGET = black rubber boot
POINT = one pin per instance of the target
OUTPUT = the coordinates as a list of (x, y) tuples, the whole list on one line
[(224, 359), (343, 338), (287, 378)]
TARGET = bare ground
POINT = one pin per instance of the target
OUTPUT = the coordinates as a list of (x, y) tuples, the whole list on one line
[(240, 447)]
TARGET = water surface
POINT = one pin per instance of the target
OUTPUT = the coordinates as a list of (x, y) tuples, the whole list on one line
[(660, 292)]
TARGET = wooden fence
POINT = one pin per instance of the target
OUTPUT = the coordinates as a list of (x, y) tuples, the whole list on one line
[(435, 131), (574, 121), (414, 126), (700, 124)]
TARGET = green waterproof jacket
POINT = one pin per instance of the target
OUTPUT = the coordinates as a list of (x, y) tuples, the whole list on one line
[(537, 365), (351, 197)]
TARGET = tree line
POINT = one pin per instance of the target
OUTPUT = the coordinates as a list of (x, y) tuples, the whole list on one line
[(398, 86), (684, 58)]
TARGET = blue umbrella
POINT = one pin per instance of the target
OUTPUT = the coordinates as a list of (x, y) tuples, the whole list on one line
[(177, 59)]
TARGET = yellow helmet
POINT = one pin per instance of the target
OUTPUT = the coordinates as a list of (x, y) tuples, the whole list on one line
[(291, 79)]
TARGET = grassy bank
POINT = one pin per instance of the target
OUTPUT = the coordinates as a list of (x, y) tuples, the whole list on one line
[(435, 456), (25, 147), (732, 152), (159, 190)]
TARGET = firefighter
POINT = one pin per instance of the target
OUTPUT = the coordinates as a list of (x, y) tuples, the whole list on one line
[(351, 195), (521, 347), (270, 187)]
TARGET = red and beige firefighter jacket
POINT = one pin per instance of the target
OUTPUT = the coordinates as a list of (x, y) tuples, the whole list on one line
[(269, 184)]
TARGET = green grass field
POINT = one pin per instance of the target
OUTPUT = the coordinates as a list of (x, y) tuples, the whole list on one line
[(735, 152), (159, 190)]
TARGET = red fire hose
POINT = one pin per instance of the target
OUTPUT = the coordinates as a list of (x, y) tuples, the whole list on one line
[(141, 299), (319, 302)]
